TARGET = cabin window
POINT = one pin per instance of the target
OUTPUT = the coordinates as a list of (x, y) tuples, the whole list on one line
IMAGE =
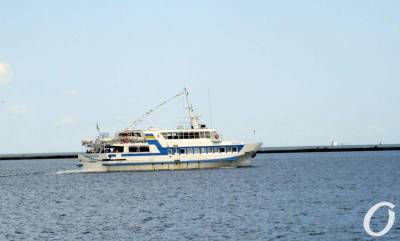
[(144, 149), (196, 150), (116, 149), (182, 151), (210, 150), (204, 150), (234, 149), (229, 149), (196, 135), (191, 135), (139, 149), (190, 151), (133, 149), (167, 135), (216, 149), (222, 149), (169, 151), (207, 135)]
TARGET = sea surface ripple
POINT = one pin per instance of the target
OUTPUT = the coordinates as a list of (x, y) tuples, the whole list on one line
[(314, 196)]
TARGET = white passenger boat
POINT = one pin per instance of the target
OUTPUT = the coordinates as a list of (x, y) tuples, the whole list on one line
[(195, 147)]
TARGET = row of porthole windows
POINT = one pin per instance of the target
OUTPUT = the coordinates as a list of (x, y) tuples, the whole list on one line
[(203, 150)]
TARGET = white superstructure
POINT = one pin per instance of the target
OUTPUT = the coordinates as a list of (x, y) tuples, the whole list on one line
[(195, 147)]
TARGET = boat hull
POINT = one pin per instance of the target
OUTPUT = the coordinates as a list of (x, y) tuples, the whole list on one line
[(100, 162)]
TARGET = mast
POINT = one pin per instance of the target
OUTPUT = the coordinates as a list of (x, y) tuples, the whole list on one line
[(194, 121)]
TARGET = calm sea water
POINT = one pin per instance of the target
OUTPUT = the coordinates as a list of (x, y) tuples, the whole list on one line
[(315, 196)]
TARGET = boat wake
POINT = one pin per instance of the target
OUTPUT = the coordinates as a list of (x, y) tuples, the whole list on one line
[(72, 171), (22, 174)]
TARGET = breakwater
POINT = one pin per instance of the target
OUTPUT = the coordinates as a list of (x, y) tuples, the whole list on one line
[(331, 148), (263, 150), (25, 156)]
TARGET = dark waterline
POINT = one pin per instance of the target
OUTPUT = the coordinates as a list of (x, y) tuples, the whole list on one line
[(303, 196)]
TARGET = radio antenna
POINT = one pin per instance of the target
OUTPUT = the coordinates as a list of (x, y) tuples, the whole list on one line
[(209, 108)]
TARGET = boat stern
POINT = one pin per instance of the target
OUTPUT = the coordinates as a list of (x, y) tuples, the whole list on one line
[(91, 163)]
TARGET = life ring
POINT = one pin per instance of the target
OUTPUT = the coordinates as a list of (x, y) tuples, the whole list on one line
[(216, 136)]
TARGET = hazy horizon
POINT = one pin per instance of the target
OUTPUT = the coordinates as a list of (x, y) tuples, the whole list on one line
[(296, 72)]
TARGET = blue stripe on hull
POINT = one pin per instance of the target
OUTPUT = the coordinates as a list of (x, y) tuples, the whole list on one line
[(229, 159), (164, 151)]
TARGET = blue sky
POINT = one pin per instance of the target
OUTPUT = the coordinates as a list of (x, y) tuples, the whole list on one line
[(297, 72)]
